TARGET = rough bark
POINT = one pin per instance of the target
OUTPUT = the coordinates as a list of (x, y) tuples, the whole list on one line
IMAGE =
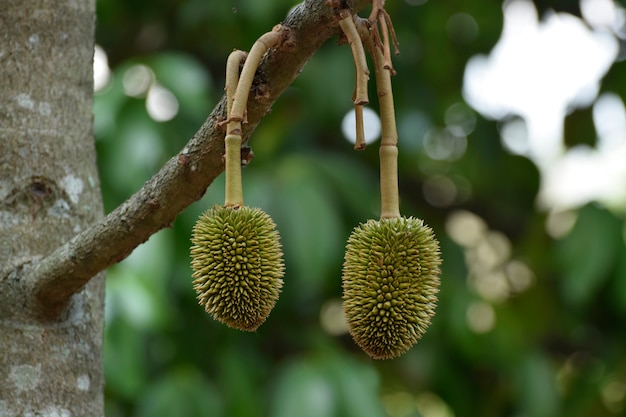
[(54, 241), (49, 191)]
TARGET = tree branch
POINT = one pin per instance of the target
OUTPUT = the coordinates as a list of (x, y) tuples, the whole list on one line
[(185, 177)]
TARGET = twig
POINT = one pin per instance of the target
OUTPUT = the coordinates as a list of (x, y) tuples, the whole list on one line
[(380, 17), (386, 48), (359, 143), (360, 96), (358, 54)]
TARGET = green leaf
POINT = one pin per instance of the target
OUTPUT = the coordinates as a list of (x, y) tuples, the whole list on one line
[(330, 385), (304, 391), (355, 186), (536, 383), (618, 284), (357, 387), (589, 253), (238, 379), (182, 393), (309, 224), (124, 360)]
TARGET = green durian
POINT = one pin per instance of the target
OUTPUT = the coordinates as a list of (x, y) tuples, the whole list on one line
[(237, 265), (390, 284)]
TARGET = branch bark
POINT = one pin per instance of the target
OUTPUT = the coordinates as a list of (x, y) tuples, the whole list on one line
[(185, 177)]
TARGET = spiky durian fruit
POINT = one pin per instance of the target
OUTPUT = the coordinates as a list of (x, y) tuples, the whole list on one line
[(390, 284), (238, 265)]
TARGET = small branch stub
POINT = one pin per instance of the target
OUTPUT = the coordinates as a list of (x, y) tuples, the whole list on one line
[(360, 96), (358, 54)]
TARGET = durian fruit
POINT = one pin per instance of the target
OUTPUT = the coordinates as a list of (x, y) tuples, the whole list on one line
[(391, 266), (236, 253), (238, 266), (390, 284)]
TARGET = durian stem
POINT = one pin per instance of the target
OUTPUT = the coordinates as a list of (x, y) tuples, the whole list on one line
[(380, 18), (232, 143), (240, 99), (235, 59), (388, 65), (358, 54), (362, 73), (237, 91), (359, 143), (234, 190), (389, 196)]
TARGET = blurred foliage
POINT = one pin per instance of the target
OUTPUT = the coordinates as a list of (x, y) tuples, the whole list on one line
[(528, 324)]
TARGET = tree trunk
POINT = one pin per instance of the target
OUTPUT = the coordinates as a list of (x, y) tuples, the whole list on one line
[(50, 364)]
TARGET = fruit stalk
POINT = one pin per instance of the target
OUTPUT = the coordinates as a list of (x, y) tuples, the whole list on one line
[(237, 102), (240, 99), (389, 198), (232, 143), (359, 143), (234, 190), (234, 62)]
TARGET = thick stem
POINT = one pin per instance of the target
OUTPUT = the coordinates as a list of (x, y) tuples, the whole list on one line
[(390, 200), (234, 191), (236, 103), (389, 197), (232, 143)]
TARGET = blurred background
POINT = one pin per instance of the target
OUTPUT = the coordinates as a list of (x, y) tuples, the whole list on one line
[(512, 147)]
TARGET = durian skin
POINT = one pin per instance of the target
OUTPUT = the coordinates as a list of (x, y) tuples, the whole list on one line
[(237, 265), (390, 284)]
